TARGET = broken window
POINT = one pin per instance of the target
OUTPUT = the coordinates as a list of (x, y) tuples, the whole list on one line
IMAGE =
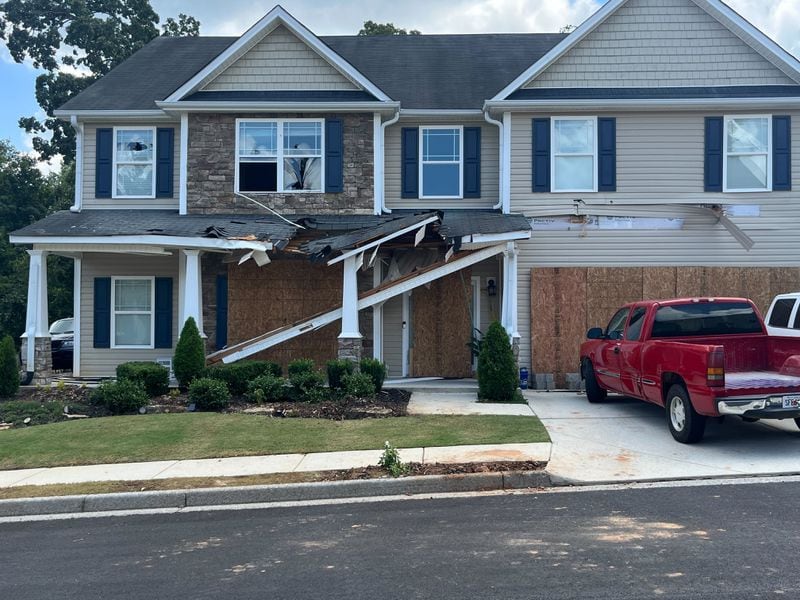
[(747, 151), (134, 157), (574, 154), (279, 155)]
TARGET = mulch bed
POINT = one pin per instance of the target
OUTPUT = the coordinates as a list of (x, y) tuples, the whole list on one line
[(375, 472)]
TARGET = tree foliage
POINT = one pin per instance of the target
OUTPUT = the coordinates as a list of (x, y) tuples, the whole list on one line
[(373, 28), (497, 369), (75, 42)]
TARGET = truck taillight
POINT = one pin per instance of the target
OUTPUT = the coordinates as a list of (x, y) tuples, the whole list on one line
[(716, 368)]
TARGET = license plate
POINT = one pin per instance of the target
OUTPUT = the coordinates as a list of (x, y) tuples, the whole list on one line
[(791, 401)]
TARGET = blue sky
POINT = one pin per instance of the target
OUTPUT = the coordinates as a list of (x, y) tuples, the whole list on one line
[(778, 18)]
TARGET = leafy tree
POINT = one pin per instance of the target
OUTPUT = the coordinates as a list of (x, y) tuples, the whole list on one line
[(87, 36), (497, 369), (373, 28)]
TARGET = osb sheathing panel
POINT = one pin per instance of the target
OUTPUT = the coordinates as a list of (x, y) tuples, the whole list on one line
[(261, 299), (441, 326), (562, 307)]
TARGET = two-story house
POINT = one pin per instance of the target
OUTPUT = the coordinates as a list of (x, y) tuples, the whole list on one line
[(304, 196)]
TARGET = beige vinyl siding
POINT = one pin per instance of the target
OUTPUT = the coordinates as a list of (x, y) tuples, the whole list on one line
[(102, 362), (90, 166), (393, 336), (490, 191), (490, 305), (660, 43), (660, 163), (280, 61)]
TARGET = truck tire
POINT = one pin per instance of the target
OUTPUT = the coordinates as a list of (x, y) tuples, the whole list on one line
[(594, 393), (685, 424)]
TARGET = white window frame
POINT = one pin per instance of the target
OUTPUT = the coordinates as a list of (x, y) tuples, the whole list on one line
[(280, 156), (460, 162), (151, 312), (140, 163), (725, 154), (554, 154)]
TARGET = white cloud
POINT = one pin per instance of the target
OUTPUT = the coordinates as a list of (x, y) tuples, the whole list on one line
[(777, 18)]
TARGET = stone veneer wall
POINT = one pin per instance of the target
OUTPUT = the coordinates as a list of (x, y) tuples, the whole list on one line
[(211, 167)]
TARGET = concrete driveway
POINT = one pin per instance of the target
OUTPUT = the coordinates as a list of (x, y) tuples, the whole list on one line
[(628, 440)]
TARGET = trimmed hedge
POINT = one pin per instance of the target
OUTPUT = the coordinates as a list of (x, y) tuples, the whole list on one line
[(120, 397), (9, 368), (209, 394), (359, 385), (301, 365), (154, 377), (267, 388), (239, 375), (497, 369), (189, 360), (376, 370), (337, 370)]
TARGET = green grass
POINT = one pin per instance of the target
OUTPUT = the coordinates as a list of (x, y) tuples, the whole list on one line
[(211, 435)]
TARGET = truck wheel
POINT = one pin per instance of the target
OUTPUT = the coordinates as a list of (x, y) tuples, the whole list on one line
[(685, 424), (594, 393)]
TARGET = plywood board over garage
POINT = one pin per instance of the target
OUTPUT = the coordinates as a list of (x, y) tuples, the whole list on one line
[(566, 302)]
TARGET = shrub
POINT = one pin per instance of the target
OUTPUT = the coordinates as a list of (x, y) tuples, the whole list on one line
[(359, 385), (375, 369), (209, 394), (308, 386), (266, 388), (300, 365), (337, 370), (154, 377), (390, 460), (497, 369), (120, 397), (190, 357), (238, 375), (9, 368), (40, 413)]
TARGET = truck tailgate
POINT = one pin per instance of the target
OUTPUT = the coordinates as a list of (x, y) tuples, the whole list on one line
[(761, 380)]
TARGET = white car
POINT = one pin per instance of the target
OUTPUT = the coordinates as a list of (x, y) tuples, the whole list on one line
[(783, 317)]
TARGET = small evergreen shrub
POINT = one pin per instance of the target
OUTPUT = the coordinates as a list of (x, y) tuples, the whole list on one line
[(40, 413), (9, 368), (497, 369), (359, 385), (189, 361), (307, 386), (300, 365), (120, 397), (337, 369), (266, 388), (209, 394), (239, 374), (154, 377), (376, 370)]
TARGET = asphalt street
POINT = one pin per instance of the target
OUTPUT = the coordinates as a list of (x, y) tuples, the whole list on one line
[(717, 541)]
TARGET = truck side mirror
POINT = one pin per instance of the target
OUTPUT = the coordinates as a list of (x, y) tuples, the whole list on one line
[(595, 333)]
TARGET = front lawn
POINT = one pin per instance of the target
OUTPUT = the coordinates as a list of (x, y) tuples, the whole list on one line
[(212, 435)]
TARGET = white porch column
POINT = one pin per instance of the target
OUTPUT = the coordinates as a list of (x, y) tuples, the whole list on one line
[(77, 264), (37, 335), (190, 286), (350, 337), (377, 314), (510, 303)]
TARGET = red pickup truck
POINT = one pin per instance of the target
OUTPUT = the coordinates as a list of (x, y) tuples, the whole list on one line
[(697, 357)]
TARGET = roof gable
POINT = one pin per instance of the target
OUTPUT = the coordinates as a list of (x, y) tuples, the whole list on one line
[(292, 41), (661, 43)]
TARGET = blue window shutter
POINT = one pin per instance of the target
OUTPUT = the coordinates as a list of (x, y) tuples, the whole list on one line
[(472, 162), (410, 167), (163, 313), (713, 161), (334, 156), (165, 161), (607, 155), (102, 312), (222, 312), (104, 149), (782, 153), (541, 155)]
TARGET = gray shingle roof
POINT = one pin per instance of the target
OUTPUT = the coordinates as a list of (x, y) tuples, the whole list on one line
[(427, 71), (662, 93)]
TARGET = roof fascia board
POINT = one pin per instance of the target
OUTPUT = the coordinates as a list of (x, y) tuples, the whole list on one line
[(440, 112), (162, 241), (561, 48), (487, 238), (255, 33), (643, 104), (749, 33), (383, 240), (113, 115), (222, 106)]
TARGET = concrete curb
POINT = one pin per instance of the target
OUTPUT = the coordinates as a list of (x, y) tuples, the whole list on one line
[(264, 494)]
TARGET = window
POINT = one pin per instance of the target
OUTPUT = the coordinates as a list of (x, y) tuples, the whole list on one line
[(132, 301), (748, 164), (617, 324), (635, 324), (574, 156), (781, 313), (279, 155), (706, 319), (440, 169), (134, 158)]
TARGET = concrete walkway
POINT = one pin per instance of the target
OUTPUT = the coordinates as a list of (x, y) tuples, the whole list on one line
[(461, 403), (627, 440)]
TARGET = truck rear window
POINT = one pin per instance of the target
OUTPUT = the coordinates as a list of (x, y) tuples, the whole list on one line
[(705, 319)]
